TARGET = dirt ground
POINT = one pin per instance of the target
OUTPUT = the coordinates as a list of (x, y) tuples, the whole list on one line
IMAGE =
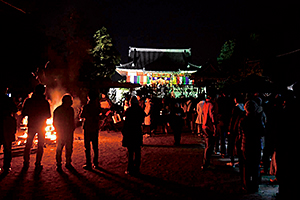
[(167, 172)]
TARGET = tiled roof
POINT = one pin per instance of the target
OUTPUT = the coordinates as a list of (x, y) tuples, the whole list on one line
[(158, 59)]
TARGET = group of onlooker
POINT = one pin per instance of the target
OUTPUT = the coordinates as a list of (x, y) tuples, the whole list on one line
[(250, 125), (37, 109), (257, 129), (253, 128)]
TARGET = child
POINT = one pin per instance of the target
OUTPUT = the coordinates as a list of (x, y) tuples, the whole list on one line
[(63, 121)]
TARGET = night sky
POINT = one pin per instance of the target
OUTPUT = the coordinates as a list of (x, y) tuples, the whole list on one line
[(203, 26)]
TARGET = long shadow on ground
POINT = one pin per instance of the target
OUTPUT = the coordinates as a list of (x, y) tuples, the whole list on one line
[(185, 146)]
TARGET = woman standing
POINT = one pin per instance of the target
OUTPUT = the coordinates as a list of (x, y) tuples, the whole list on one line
[(132, 135)]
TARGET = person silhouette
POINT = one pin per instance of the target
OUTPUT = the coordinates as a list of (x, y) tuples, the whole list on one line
[(209, 127), (37, 108), (177, 117), (8, 129), (251, 129), (132, 135), (63, 121), (91, 113)]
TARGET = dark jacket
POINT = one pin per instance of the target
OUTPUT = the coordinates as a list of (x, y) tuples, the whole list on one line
[(251, 129), (238, 113), (176, 117), (63, 121), (91, 113), (132, 131), (37, 108), (8, 123)]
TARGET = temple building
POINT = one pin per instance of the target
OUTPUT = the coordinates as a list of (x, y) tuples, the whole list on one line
[(162, 69)]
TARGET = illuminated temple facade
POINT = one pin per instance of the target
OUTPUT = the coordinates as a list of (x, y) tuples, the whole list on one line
[(160, 68)]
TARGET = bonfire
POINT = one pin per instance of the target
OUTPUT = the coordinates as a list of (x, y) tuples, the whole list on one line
[(50, 131), (50, 134)]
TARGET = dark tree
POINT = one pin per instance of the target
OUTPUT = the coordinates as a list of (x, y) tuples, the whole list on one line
[(105, 55), (242, 57)]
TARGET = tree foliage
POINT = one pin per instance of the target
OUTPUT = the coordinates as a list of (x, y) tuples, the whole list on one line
[(241, 57), (105, 55), (226, 52)]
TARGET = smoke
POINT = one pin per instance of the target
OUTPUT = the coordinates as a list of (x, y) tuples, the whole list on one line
[(76, 106), (56, 94)]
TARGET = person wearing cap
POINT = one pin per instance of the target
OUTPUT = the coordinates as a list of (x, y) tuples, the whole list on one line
[(251, 129), (63, 121), (37, 108)]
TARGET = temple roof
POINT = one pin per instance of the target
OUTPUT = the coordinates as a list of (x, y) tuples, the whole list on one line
[(151, 59)]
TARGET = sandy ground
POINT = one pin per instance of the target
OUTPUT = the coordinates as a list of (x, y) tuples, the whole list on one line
[(167, 172)]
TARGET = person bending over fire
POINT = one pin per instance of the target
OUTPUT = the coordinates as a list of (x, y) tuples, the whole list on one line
[(37, 108), (63, 121)]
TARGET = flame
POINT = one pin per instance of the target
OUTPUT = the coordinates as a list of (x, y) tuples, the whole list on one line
[(24, 136), (25, 121), (50, 133), (50, 130)]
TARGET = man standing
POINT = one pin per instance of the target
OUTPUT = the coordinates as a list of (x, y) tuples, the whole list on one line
[(91, 113), (37, 108), (209, 127), (63, 121), (8, 129)]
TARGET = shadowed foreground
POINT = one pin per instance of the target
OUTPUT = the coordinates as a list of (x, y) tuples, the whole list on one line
[(167, 172)]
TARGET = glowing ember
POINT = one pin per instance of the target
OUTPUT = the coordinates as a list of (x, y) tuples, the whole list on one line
[(24, 136), (25, 121)]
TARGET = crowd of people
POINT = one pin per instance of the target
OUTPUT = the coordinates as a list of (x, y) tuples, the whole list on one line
[(235, 126), (257, 129)]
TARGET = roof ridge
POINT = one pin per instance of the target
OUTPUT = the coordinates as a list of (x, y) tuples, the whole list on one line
[(159, 50)]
